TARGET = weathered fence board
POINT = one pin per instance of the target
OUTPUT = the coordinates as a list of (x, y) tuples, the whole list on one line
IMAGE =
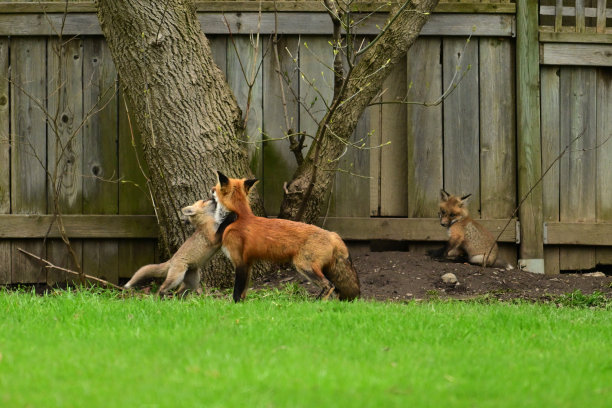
[(5, 163), (244, 75), (549, 77), (578, 166), (461, 120), (134, 195), (497, 132), (352, 185), (409, 229), (576, 54), (393, 166), (79, 226), (218, 47), (279, 117), (529, 159), (100, 185), (497, 129), (494, 6), (375, 155), (579, 233), (28, 148), (424, 128), (247, 23), (604, 157), (64, 143)]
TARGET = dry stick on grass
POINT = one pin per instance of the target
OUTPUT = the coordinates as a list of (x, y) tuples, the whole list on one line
[(50, 265)]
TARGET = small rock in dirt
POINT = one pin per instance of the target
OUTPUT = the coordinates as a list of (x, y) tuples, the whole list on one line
[(449, 278), (596, 274)]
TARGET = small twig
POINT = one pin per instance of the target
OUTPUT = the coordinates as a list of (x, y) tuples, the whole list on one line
[(59, 268)]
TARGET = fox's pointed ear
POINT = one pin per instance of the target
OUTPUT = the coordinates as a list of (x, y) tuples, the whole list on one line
[(444, 195), (188, 210), (248, 184), (223, 180), (464, 199)]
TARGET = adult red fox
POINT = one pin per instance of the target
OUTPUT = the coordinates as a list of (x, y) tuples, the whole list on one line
[(466, 235), (319, 255), (183, 267)]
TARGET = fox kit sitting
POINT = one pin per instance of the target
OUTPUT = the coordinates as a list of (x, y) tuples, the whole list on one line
[(467, 236), (183, 268), (319, 255)]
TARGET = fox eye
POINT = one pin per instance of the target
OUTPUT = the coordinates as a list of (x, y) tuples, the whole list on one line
[(452, 214)]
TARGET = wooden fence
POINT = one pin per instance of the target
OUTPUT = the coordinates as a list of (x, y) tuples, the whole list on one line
[(466, 144)]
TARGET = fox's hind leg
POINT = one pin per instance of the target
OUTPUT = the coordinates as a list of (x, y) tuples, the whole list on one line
[(191, 282), (314, 274), (176, 274)]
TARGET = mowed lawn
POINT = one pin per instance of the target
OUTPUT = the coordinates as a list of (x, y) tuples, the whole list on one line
[(95, 349)]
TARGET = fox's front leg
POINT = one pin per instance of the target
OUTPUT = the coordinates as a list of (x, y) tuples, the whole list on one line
[(241, 283), (453, 248)]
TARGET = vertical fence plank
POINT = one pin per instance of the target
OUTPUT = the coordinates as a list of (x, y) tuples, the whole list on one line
[(352, 184), (558, 15), (497, 129), (601, 16), (241, 55), (218, 47), (550, 150), (393, 166), (461, 122), (424, 139), (316, 85), (497, 133), (604, 156), (28, 148), (279, 163), (580, 20), (578, 168), (317, 82), (5, 158), (100, 166), (134, 195), (64, 143), (375, 113), (529, 153)]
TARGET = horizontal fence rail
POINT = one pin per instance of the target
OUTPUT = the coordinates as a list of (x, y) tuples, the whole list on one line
[(305, 23)]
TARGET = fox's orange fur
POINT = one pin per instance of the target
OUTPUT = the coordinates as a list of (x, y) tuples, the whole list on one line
[(183, 268), (319, 255), (467, 236)]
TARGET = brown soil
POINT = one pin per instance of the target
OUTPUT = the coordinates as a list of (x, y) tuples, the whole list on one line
[(398, 276)]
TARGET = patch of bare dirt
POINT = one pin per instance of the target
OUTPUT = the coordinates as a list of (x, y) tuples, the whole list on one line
[(395, 275)]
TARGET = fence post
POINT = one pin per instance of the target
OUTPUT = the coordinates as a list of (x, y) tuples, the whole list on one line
[(528, 133)]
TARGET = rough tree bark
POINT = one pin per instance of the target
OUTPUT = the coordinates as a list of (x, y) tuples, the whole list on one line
[(188, 117), (313, 177)]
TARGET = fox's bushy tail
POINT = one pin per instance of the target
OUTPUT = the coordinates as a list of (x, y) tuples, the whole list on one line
[(343, 275)]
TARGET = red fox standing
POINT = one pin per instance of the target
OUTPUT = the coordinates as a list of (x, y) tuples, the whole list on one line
[(466, 235), (319, 255)]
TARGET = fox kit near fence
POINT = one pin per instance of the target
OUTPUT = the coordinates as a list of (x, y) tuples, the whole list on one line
[(319, 255), (466, 236), (183, 268)]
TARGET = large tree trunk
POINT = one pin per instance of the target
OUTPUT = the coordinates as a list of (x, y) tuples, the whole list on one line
[(188, 117), (313, 177)]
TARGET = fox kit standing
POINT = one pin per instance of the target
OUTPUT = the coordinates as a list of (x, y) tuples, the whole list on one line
[(319, 255), (466, 235), (183, 267)]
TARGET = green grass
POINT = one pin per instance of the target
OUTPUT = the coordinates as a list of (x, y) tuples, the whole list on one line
[(95, 349)]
